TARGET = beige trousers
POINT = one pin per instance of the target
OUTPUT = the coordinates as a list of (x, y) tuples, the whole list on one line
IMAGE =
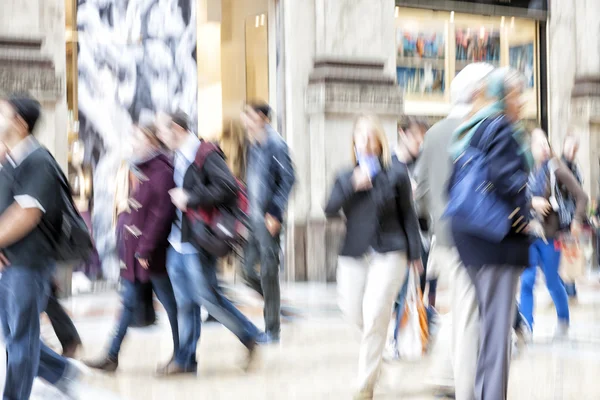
[(457, 347), (367, 289)]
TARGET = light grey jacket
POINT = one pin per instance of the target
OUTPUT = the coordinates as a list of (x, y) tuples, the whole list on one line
[(432, 173)]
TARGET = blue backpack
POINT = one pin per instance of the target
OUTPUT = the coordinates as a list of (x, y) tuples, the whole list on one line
[(473, 204)]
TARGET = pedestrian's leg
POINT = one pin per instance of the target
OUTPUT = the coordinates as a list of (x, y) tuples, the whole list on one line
[(550, 262), (164, 291), (465, 328), (130, 301), (203, 278), (496, 288), (351, 282), (188, 314), (526, 300), (401, 302), (21, 291), (144, 315), (385, 275), (251, 258), (269, 274), (53, 368), (62, 324)]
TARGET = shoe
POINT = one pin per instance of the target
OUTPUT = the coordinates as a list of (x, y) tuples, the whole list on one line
[(70, 350), (364, 395), (251, 358), (69, 382), (172, 369), (107, 364), (562, 331), (524, 331), (266, 338)]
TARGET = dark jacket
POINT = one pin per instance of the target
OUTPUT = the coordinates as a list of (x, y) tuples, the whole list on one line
[(275, 178), (382, 218), (213, 185), (151, 213), (509, 173)]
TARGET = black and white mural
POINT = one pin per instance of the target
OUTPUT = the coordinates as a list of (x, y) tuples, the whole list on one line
[(136, 58)]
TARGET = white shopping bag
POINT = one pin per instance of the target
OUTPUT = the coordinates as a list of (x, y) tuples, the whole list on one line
[(413, 334)]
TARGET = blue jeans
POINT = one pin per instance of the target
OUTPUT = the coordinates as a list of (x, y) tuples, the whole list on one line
[(164, 291), (400, 301), (23, 295), (194, 279), (547, 257)]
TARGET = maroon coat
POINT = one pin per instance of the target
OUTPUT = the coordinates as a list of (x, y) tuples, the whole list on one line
[(143, 232)]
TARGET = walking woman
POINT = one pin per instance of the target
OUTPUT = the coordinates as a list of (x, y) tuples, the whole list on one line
[(382, 238), (234, 144), (144, 217), (548, 178), (494, 267)]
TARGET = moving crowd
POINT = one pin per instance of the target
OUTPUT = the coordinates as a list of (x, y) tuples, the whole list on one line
[(387, 198)]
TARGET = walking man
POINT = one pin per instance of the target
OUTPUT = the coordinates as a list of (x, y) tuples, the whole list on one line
[(270, 177), (29, 196), (193, 270)]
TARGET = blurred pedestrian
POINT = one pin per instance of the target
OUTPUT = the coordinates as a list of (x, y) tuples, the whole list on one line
[(144, 214), (432, 174), (495, 267), (546, 183), (63, 326), (270, 177), (382, 241)]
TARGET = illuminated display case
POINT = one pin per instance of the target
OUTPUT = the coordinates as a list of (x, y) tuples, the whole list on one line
[(434, 46)]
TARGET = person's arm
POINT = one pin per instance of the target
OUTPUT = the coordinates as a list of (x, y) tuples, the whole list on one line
[(221, 189), (159, 217), (408, 216), (287, 178), (565, 177), (343, 190)]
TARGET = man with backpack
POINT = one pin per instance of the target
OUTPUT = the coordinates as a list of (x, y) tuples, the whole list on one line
[(270, 177), (31, 199), (204, 185)]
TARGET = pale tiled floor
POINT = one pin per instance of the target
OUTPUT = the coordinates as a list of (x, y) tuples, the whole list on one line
[(317, 358)]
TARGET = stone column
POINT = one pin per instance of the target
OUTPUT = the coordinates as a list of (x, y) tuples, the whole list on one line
[(350, 70)]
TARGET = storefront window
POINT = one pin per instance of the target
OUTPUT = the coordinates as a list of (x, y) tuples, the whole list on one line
[(434, 46)]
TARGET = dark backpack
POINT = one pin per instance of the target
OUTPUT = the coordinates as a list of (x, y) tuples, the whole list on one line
[(224, 228), (70, 238)]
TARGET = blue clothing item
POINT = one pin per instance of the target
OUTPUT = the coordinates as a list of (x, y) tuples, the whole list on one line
[(370, 163), (538, 181), (195, 283), (571, 289), (184, 158), (164, 291), (270, 176), (547, 257), (23, 294), (401, 305)]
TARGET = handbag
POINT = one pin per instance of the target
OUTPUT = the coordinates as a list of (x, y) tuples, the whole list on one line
[(473, 203), (572, 258), (563, 205), (413, 332)]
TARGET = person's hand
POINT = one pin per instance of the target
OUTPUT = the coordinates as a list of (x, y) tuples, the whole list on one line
[(418, 266), (273, 224), (179, 198), (576, 228), (3, 262), (361, 181), (144, 263), (541, 205)]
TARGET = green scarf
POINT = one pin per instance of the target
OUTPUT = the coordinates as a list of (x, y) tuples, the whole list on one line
[(495, 89)]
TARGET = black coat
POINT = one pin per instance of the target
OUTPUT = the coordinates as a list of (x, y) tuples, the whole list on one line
[(382, 218)]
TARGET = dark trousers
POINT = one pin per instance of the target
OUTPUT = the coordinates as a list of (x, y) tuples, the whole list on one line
[(23, 296), (263, 248), (131, 294), (144, 314), (61, 322)]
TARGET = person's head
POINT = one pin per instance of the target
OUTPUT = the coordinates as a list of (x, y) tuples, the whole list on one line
[(504, 87), (18, 118), (233, 144), (570, 147), (411, 134), (540, 147), (464, 87), (254, 118), (173, 129), (368, 139), (145, 139)]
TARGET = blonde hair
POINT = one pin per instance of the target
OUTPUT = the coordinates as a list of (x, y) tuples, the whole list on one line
[(233, 144), (375, 127)]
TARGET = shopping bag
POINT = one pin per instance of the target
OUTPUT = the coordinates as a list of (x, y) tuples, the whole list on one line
[(572, 259), (413, 334)]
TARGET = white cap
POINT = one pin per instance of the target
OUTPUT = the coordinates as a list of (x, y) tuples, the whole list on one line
[(463, 87)]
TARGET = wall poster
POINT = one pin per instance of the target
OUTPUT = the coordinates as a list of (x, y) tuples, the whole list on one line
[(521, 59)]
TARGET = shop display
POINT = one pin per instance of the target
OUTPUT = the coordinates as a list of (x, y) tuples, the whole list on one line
[(521, 58), (421, 80), (423, 44), (477, 46)]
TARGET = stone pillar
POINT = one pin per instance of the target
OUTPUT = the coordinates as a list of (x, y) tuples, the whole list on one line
[(350, 70)]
